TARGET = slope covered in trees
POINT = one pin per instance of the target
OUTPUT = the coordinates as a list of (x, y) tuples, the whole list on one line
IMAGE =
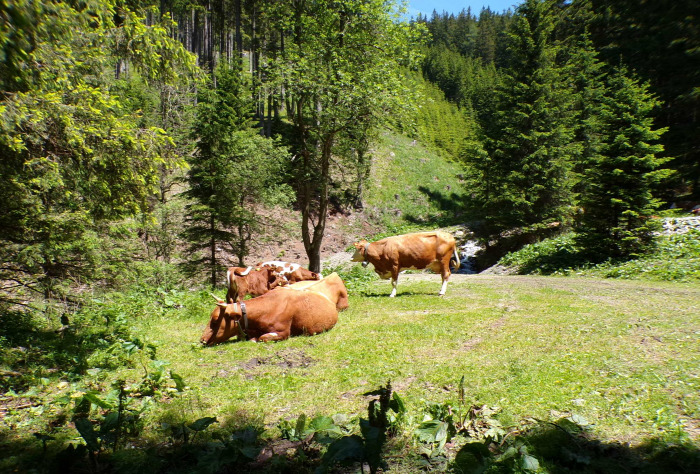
[(146, 145), (551, 116)]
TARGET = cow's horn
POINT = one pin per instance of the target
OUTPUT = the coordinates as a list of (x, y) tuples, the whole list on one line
[(216, 298)]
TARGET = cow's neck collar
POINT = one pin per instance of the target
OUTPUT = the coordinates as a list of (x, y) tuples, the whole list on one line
[(364, 255), (244, 327)]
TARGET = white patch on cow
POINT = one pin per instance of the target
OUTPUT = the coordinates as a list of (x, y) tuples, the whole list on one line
[(272, 334), (444, 288)]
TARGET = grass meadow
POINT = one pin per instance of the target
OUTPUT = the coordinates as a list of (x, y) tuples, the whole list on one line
[(622, 356)]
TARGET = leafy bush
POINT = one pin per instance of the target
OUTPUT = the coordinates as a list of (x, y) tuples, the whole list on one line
[(675, 258), (546, 257)]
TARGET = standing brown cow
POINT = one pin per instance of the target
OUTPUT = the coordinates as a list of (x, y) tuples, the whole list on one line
[(431, 250)]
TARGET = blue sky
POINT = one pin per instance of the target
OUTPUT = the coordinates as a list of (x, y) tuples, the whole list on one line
[(426, 7)]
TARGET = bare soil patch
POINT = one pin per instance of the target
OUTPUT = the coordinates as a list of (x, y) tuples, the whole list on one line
[(285, 359)]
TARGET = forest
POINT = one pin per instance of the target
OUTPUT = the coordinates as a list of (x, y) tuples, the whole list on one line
[(151, 144)]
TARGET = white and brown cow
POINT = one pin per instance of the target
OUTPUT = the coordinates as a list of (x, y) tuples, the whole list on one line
[(278, 314), (290, 272), (431, 250), (243, 281)]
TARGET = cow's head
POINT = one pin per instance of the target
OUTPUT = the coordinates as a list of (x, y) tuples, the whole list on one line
[(360, 251), (223, 324)]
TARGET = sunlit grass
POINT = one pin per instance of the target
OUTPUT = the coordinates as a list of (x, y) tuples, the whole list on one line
[(624, 355)]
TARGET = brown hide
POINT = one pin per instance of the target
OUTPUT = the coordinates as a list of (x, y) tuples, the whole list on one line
[(250, 281), (332, 287), (274, 316), (421, 250)]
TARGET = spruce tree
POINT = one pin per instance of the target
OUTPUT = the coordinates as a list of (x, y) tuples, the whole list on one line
[(617, 200), (234, 174), (520, 177)]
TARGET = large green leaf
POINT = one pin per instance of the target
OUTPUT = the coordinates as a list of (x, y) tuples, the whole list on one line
[(84, 427), (202, 424), (432, 431)]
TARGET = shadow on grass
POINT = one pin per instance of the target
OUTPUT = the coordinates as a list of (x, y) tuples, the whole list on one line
[(452, 206), (236, 445), (553, 449), (30, 349), (34, 346)]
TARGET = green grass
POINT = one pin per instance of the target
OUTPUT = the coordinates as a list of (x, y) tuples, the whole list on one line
[(412, 186), (624, 355)]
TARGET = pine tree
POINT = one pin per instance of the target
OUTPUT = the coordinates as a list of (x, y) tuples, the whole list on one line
[(520, 177), (617, 201), (233, 175)]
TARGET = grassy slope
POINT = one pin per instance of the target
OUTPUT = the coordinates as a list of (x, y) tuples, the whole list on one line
[(410, 184)]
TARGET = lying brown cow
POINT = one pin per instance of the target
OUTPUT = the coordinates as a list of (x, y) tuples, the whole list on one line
[(276, 315), (290, 272), (250, 281), (332, 287), (431, 250)]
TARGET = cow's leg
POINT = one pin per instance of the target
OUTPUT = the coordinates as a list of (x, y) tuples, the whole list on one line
[(445, 278), (274, 336), (394, 281)]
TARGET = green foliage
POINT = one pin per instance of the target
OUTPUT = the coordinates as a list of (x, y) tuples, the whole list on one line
[(674, 258), (436, 123), (520, 178), (233, 176), (617, 199), (74, 154), (651, 42), (341, 67)]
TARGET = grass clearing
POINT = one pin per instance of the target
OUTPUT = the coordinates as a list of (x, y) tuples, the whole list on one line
[(624, 355), (530, 345)]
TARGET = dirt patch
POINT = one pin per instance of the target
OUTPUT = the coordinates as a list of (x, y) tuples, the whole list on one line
[(472, 343), (286, 359)]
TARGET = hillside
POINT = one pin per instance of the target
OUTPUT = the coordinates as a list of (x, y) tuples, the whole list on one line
[(410, 188)]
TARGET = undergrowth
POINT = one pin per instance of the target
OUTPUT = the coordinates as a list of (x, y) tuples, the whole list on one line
[(675, 258)]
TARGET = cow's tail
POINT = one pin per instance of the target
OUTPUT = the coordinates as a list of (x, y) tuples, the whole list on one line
[(455, 258)]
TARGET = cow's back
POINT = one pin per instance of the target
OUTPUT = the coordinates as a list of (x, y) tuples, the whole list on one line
[(417, 250), (313, 313)]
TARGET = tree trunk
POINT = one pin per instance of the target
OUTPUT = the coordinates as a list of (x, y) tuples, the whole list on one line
[(212, 256)]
